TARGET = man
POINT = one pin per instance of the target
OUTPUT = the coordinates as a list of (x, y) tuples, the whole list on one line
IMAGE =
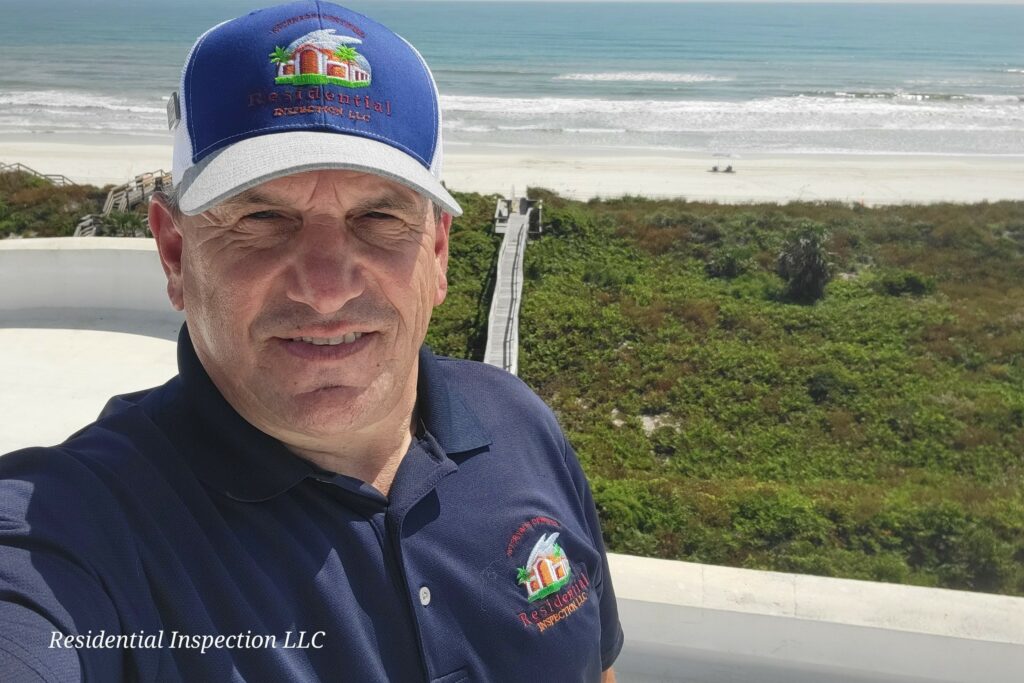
[(315, 496)]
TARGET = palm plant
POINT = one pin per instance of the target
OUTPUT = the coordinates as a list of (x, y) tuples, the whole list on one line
[(524, 575), (280, 55), (804, 264), (344, 53)]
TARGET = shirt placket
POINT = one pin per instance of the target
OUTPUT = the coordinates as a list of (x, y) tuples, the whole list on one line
[(417, 477)]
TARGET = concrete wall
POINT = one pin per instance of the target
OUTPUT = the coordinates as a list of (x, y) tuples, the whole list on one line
[(121, 273)]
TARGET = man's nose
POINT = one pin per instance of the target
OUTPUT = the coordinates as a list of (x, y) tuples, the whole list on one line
[(326, 271)]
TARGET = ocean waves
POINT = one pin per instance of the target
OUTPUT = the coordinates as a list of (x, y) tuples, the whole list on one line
[(910, 96), (784, 113), (985, 125), (847, 120), (54, 111), (644, 77)]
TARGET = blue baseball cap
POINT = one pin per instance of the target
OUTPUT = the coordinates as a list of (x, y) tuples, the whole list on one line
[(300, 87)]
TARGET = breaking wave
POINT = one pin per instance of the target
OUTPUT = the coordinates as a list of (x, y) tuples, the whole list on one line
[(646, 76)]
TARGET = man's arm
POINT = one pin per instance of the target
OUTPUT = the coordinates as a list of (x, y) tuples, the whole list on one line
[(25, 652), (48, 514), (608, 676)]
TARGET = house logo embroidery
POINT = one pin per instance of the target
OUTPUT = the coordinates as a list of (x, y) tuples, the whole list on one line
[(321, 58), (547, 571)]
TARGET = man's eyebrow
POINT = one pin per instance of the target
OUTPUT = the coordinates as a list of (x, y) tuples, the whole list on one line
[(248, 197), (392, 201)]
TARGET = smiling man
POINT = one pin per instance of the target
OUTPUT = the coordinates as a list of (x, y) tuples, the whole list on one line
[(316, 495)]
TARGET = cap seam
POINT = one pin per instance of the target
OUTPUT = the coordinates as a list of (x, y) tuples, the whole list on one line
[(434, 101), (322, 116)]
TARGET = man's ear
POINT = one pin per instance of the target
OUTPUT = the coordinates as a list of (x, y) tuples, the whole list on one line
[(168, 243), (441, 232)]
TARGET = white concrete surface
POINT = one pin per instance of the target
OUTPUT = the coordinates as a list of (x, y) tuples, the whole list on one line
[(57, 380), (83, 319)]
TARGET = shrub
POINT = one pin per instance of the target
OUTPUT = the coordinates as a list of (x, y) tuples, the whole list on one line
[(729, 263), (803, 264), (897, 282)]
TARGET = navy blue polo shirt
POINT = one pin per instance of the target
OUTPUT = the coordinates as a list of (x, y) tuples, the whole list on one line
[(173, 541)]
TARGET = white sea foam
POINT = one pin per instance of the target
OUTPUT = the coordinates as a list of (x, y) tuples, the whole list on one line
[(646, 76), (868, 124), (524, 111), (595, 130), (53, 99), (54, 110)]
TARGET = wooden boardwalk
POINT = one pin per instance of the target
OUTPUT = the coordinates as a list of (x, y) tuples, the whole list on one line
[(515, 218), (52, 178), (123, 199)]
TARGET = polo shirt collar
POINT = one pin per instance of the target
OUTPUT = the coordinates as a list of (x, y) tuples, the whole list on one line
[(443, 411), (246, 464)]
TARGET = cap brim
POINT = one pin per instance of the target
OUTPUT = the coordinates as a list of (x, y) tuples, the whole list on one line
[(256, 160)]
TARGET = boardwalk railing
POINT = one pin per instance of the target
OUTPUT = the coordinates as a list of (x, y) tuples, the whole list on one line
[(514, 218), (123, 199), (52, 178)]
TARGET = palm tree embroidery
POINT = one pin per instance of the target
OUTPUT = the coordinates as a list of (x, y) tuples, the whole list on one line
[(346, 54), (281, 56), (524, 575)]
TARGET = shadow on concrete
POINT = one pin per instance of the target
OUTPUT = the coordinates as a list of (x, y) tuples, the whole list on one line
[(157, 324), (651, 663)]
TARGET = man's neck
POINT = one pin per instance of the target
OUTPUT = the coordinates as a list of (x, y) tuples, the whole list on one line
[(374, 460)]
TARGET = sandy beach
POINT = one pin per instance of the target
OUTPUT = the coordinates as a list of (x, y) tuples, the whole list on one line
[(608, 172)]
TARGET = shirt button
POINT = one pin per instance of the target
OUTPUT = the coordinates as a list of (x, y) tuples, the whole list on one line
[(424, 596)]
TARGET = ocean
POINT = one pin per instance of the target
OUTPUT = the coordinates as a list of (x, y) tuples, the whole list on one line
[(697, 77)]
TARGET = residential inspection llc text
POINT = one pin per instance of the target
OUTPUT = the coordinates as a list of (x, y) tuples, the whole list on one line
[(175, 640)]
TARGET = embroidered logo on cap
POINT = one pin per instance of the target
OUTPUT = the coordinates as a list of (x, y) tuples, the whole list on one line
[(321, 58), (547, 571)]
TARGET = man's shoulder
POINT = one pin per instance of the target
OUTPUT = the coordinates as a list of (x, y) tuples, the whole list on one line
[(104, 451)]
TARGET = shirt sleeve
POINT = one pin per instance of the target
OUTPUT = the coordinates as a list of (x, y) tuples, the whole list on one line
[(612, 637), (47, 589), (24, 655)]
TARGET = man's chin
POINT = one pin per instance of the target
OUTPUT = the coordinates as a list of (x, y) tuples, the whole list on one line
[(332, 409)]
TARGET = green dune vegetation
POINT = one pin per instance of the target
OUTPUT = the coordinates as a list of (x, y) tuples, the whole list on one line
[(812, 387), (730, 410)]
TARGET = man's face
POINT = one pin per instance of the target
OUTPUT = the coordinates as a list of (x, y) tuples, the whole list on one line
[(308, 297)]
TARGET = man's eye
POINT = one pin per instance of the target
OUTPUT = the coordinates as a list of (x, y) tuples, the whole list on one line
[(380, 216), (262, 216)]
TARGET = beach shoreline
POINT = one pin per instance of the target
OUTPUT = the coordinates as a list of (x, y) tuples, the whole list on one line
[(583, 173)]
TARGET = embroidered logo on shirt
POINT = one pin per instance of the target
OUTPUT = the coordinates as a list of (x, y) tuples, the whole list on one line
[(320, 58), (547, 571), (555, 589)]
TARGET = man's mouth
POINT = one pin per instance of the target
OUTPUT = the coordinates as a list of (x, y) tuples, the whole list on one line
[(330, 341)]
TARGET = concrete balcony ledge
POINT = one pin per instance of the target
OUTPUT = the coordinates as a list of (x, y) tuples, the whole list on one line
[(693, 622), (82, 319)]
